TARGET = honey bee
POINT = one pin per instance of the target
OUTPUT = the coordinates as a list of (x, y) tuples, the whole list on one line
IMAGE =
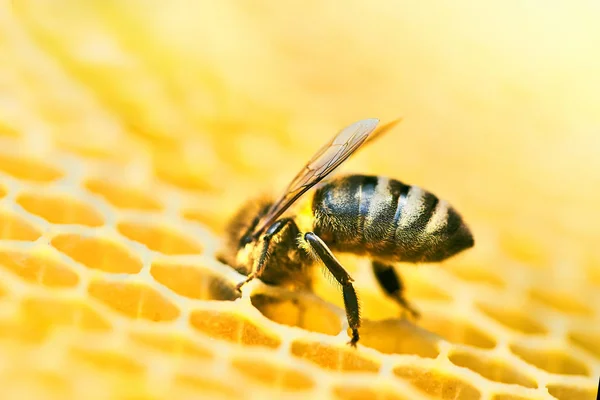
[(370, 216)]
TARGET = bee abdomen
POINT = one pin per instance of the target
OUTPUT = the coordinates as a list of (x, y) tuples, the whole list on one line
[(389, 220), (426, 228)]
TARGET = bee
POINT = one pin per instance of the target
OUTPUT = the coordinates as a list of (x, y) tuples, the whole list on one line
[(371, 216)]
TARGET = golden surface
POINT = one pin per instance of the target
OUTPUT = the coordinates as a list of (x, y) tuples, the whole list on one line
[(130, 131)]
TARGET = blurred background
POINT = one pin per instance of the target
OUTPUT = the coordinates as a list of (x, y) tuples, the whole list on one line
[(204, 104), (499, 100)]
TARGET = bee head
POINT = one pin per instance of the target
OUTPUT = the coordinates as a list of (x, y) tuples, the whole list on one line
[(238, 233)]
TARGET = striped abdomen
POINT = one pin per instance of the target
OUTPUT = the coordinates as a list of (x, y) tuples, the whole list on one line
[(388, 220)]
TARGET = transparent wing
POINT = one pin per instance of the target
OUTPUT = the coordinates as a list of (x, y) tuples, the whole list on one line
[(328, 158), (381, 130)]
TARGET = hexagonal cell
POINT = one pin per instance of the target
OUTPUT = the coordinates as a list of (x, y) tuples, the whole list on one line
[(456, 331), (205, 385), (214, 218), (525, 248), (503, 396), (177, 172), (49, 382), (35, 384), (587, 340), (552, 360), (24, 386), (398, 337), (338, 358), (194, 282), (105, 360), (476, 274), (563, 302), (3, 191), (13, 227), (60, 209), (491, 368), (303, 312), (513, 319), (161, 239), (421, 289), (375, 305), (82, 146), (134, 300), (37, 268), (22, 330), (7, 130), (97, 253), (417, 287), (172, 344), (122, 196), (273, 375), (53, 312), (30, 169), (438, 384), (352, 392), (232, 327), (565, 392)]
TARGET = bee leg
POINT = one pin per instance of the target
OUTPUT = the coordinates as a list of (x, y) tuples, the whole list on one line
[(391, 283), (321, 251), (259, 265)]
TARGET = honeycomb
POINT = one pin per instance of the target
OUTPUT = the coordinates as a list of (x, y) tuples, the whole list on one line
[(131, 131)]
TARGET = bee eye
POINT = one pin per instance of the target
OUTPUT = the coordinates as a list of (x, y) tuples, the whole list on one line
[(245, 240)]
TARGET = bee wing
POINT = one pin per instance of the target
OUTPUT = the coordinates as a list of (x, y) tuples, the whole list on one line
[(328, 158), (381, 130)]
